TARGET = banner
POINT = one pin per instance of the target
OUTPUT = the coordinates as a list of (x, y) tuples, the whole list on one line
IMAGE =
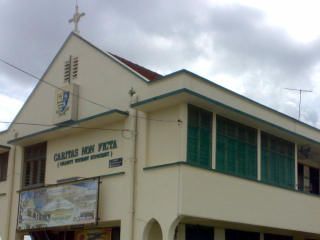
[(59, 205), (96, 234)]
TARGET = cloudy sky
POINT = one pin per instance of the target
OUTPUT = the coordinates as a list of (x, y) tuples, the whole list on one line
[(253, 47)]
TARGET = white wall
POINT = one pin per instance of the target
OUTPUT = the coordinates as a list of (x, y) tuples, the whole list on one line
[(166, 137), (212, 195)]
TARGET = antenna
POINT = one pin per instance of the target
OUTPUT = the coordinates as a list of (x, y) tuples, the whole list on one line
[(76, 18), (300, 93)]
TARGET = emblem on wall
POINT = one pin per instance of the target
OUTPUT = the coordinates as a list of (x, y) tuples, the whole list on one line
[(62, 102), (66, 103)]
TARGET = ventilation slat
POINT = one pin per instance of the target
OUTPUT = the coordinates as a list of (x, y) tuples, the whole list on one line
[(71, 69)]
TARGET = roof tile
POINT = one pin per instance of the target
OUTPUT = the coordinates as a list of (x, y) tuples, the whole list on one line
[(151, 75)]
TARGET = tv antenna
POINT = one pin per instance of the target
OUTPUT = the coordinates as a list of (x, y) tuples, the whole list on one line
[(300, 94), (76, 18)]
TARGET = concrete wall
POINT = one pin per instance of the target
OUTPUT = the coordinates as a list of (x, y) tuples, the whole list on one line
[(3, 210), (166, 136), (89, 168), (114, 190), (157, 198), (212, 195)]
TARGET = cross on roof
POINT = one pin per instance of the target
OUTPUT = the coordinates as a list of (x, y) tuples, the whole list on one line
[(76, 19)]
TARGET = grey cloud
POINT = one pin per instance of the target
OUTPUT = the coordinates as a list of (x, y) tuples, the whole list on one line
[(244, 40), (15, 87)]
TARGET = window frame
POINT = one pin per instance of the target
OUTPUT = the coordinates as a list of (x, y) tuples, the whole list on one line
[(40, 159), (4, 160)]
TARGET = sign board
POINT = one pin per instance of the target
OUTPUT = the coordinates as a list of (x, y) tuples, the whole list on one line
[(85, 153), (96, 234), (59, 205), (66, 103), (117, 162)]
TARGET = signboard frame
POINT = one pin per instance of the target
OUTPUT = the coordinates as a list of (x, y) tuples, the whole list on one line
[(96, 218)]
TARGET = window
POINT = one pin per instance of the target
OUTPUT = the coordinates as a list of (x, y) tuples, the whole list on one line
[(241, 235), (196, 232), (268, 236), (314, 180), (236, 149), (277, 161), (3, 166), (308, 179), (199, 136), (34, 165)]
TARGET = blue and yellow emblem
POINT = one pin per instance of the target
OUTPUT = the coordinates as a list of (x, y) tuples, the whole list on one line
[(62, 102)]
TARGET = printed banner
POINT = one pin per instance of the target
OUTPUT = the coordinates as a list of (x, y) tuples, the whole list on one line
[(96, 234), (60, 205)]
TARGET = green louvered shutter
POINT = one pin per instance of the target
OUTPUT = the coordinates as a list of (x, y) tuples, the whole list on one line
[(277, 157), (199, 137), (236, 149)]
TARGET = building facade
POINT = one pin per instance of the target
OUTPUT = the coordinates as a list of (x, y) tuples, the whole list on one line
[(111, 150)]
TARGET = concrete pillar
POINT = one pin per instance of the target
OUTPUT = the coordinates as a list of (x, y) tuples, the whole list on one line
[(173, 230), (259, 170), (261, 236), (13, 234), (183, 126), (298, 237), (296, 165), (214, 140), (181, 232), (7, 192), (125, 233), (219, 234)]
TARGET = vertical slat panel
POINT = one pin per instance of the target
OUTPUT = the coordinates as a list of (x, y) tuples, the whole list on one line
[(240, 148), (277, 157), (199, 136)]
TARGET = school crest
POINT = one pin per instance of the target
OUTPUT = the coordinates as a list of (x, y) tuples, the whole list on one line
[(62, 102), (66, 103)]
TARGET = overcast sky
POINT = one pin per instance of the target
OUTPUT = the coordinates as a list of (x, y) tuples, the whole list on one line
[(255, 48)]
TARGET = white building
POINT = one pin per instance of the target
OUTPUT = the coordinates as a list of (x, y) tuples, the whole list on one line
[(172, 157)]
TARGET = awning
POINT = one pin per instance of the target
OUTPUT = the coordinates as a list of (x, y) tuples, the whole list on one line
[(93, 122)]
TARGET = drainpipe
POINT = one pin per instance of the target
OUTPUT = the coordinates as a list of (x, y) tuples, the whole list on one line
[(11, 191), (134, 124)]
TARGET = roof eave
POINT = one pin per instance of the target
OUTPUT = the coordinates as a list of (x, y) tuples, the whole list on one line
[(93, 123), (185, 95)]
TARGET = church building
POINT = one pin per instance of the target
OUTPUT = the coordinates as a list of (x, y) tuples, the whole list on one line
[(105, 149)]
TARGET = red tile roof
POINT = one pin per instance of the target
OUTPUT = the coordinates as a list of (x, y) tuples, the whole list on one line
[(151, 75)]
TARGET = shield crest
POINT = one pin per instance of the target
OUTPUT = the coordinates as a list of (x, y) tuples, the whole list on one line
[(62, 101)]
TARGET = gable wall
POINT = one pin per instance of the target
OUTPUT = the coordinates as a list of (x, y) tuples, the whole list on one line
[(100, 79)]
